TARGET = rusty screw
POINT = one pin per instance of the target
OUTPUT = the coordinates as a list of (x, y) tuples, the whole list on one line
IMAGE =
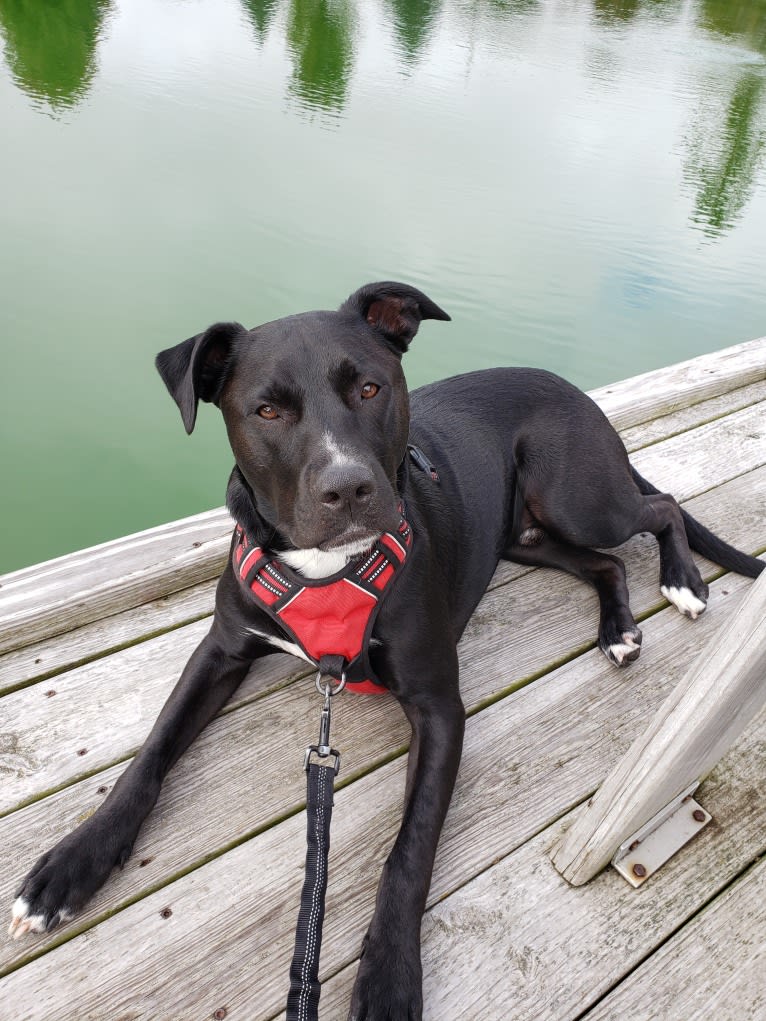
[(83, 751), (698, 815), (50, 694), (220, 1014), (102, 789), (639, 870), (144, 862), (166, 913)]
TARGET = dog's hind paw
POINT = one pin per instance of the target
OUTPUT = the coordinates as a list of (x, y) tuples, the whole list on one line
[(684, 600), (624, 651)]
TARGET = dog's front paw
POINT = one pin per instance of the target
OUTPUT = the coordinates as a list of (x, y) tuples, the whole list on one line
[(389, 984), (65, 878)]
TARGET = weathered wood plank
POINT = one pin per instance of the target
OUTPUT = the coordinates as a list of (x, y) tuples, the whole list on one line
[(234, 916), (107, 706), (715, 967), (693, 416), (686, 463), (663, 391), (701, 719), (66, 593), (545, 748), (103, 637), (60, 730)]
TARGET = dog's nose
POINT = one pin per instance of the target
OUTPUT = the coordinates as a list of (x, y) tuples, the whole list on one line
[(348, 485)]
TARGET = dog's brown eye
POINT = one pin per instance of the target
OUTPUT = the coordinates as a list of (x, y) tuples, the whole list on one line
[(369, 390), (267, 411)]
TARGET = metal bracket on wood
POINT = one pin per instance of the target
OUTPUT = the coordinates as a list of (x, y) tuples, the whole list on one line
[(642, 854)]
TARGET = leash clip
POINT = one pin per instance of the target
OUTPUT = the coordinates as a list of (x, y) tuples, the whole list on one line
[(323, 748)]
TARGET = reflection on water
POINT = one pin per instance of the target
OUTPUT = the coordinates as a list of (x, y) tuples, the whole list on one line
[(412, 22), (261, 14), (51, 50), (618, 10), (746, 21), (724, 161), (319, 35), (580, 183), (51, 46)]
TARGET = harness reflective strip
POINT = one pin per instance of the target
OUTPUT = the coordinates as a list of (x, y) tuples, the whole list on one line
[(248, 562)]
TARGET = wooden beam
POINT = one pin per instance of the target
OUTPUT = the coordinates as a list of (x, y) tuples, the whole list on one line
[(719, 695)]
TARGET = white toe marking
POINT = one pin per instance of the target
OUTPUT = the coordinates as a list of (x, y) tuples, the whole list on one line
[(619, 651), (18, 911), (22, 922), (684, 600), (624, 648)]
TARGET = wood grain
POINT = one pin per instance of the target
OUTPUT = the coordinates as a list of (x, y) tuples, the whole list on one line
[(663, 391), (715, 967), (715, 700)]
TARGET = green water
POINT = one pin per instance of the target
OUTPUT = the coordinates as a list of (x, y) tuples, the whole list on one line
[(580, 183)]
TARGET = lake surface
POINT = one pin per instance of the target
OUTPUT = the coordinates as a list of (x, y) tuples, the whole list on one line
[(580, 183)]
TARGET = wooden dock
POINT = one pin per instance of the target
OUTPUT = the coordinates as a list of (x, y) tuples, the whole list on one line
[(199, 924)]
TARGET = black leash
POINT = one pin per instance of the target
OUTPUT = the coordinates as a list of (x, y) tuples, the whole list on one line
[(303, 998)]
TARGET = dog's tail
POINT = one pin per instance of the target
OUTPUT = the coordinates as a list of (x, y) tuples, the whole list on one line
[(703, 541)]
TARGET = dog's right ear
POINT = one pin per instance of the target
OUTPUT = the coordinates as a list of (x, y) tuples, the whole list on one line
[(196, 369)]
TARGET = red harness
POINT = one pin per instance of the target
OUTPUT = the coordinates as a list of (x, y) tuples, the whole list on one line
[(327, 617)]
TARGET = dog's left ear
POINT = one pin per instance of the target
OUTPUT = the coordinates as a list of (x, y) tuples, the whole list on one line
[(196, 369), (395, 310)]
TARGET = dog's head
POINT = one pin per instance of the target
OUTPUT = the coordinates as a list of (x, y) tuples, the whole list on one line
[(316, 410)]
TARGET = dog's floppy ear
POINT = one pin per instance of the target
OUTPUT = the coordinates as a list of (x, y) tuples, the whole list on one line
[(196, 369), (395, 310)]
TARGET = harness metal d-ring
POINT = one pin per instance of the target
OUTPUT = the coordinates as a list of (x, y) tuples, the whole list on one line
[(327, 689)]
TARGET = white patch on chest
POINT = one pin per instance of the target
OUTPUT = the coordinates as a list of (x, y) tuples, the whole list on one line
[(280, 643), (318, 563)]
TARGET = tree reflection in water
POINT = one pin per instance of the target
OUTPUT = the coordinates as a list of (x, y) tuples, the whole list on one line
[(51, 46), (51, 50)]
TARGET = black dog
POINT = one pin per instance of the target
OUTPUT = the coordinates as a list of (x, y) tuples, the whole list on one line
[(318, 417)]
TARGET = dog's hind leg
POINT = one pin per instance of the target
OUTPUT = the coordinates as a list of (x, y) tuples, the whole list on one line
[(618, 636), (680, 581)]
